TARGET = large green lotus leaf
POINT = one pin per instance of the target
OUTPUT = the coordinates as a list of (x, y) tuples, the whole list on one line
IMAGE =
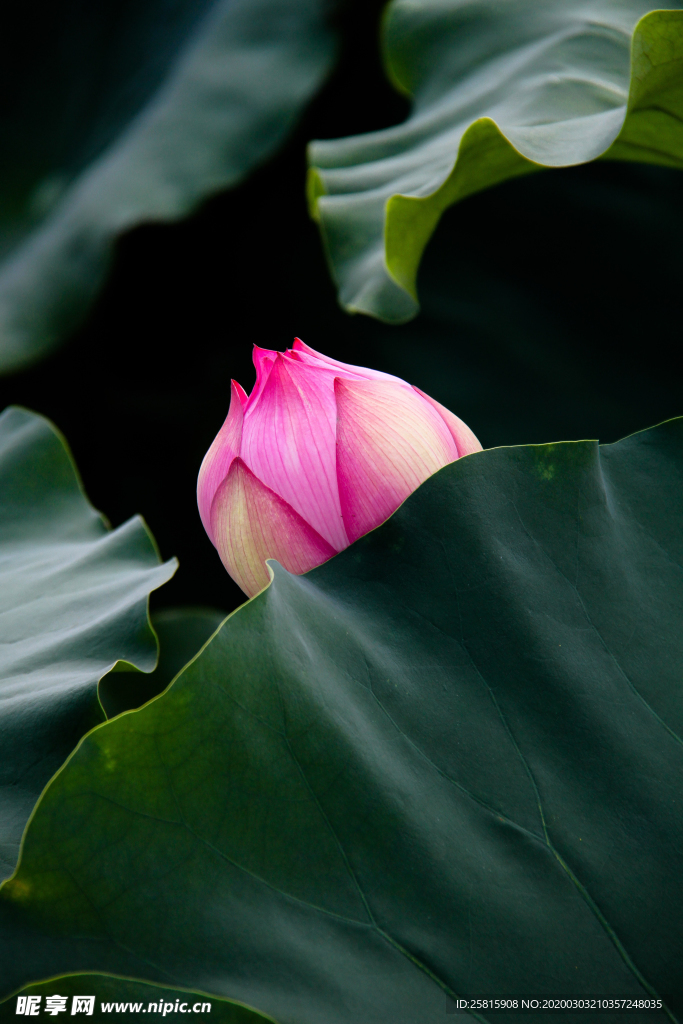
[(73, 603), (448, 761), (137, 997), (500, 90), (127, 112)]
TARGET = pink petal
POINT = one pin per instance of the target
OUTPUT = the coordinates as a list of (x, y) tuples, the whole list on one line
[(465, 440), (388, 442), (251, 523), (289, 443), (263, 359), (216, 463), (305, 354)]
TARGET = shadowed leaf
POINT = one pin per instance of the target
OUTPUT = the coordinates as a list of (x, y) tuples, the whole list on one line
[(181, 632), (132, 112)]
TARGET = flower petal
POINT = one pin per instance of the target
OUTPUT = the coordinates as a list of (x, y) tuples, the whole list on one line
[(305, 354), (216, 463), (251, 523), (388, 442), (289, 443), (263, 359), (462, 435)]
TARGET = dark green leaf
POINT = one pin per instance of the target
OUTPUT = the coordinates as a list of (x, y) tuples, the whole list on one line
[(153, 999), (499, 91), (125, 113), (73, 602), (448, 761)]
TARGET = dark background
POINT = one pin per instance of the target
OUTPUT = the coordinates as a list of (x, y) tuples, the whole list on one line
[(551, 311)]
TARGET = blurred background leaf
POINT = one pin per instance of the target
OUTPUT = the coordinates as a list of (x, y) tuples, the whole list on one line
[(499, 90), (446, 762), (116, 113), (73, 602)]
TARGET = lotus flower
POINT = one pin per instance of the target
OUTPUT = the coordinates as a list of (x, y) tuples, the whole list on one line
[(317, 455)]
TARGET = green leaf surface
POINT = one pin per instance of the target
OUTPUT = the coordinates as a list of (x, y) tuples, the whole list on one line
[(73, 602), (132, 112), (499, 90), (448, 761), (181, 632), (145, 999)]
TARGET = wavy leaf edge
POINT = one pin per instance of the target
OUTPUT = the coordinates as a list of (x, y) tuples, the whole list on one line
[(410, 220)]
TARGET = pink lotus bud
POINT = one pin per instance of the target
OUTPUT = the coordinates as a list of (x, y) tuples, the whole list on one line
[(318, 454)]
